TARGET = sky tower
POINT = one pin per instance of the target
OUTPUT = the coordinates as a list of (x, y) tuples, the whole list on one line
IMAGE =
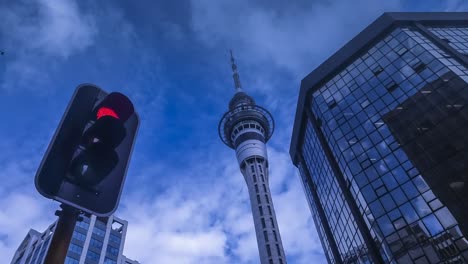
[(247, 127)]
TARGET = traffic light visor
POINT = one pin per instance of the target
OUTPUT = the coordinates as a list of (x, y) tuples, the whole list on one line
[(115, 105)]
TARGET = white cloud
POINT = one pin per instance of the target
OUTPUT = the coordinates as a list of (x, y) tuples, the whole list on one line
[(290, 37), (21, 209), (198, 222), (184, 224), (456, 6), (59, 28), (172, 229), (37, 35)]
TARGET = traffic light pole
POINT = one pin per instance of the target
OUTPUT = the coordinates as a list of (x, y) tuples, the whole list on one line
[(62, 235)]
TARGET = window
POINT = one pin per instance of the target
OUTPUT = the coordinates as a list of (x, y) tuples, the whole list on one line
[(417, 65), (435, 204), (265, 234), (263, 222), (269, 209), (95, 243), (258, 199), (402, 51), (109, 261), (82, 224), (274, 235), (266, 198), (254, 178), (446, 218), (278, 249), (261, 210), (377, 70), (263, 179), (264, 188), (432, 224), (268, 250), (112, 250), (75, 248), (100, 224), (391, 85), (98, 231), (70, 260), (272, 223), (252, 168), (20, 257), (114, 238), (319, 122), (78, 236), (256, 188), (92, 255), (331, 104), (408, 213)]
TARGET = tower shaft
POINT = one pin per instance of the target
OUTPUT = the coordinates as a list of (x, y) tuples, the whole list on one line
[(246, 128), (249, 141), (269, 242)]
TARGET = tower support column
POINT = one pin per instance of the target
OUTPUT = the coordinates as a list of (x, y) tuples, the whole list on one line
[(269, 241)]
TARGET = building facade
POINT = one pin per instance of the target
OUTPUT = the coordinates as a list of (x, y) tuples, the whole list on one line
[(247, 127), (380, 140), (94, 241)]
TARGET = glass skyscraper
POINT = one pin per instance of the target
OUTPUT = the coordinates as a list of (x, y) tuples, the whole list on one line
[(381, 142), (95, 241)]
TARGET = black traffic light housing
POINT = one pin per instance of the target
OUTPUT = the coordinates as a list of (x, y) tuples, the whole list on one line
[(86, 162)]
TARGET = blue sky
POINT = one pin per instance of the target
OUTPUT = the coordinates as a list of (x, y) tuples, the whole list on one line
[(184, 197)]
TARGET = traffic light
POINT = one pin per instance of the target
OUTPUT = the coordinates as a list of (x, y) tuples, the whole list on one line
[(87, 159)]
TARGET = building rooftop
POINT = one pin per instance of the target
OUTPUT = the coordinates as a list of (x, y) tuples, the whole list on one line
[(380, 27)]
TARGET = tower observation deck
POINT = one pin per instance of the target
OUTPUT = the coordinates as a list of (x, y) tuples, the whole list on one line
[(246, 128)]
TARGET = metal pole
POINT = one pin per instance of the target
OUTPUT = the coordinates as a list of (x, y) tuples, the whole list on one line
[(62, 235)]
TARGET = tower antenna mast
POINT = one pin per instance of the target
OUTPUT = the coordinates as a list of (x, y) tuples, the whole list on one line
[(235, 74)]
